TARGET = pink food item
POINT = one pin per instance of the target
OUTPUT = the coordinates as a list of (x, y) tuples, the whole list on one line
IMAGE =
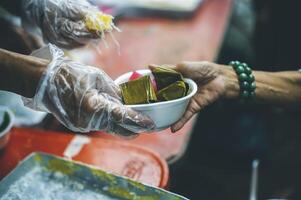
[(154, 85), (135, 76)]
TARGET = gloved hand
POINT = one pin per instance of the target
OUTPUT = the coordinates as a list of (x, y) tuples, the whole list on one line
[(84, 98), (62, 22)]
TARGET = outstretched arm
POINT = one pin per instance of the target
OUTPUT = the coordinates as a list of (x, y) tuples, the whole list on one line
[(277, 88), (83, 98), (220, 81), (20, 73)]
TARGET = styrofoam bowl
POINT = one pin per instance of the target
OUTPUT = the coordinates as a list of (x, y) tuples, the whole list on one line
[(166, 113)]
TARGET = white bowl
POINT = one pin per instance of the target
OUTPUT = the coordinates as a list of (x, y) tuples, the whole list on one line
[(165, 113)]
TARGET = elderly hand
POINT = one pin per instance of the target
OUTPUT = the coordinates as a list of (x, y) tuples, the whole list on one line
[(61, 21), (212, 84), (84, 98)]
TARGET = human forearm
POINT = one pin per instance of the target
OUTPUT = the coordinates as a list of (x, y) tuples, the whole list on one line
[(278, 88), (19, 73), (220, 81)]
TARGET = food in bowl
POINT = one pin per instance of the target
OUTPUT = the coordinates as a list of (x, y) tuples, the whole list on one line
[(138, 91), (163, 113), (163, 84)]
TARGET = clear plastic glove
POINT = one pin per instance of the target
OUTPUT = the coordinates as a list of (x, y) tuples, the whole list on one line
[(62, 22), (84, 98)]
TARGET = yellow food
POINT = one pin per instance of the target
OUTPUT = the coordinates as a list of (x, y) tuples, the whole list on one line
[(99, 22)]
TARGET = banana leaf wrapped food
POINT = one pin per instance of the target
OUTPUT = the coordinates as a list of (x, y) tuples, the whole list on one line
[(165, 76), (138, 91), (169, 85), (173, 91)]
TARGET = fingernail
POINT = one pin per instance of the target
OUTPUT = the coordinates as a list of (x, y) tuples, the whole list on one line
[(151, 66), (173, 129)]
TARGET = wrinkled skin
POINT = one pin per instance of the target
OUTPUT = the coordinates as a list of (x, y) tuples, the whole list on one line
[(61, 21), (211, 86)]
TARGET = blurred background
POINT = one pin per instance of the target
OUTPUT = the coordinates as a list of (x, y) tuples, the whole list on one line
[(228, 136), (211, 157)]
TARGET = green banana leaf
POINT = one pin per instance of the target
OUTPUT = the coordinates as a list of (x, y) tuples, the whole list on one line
[(173, 91), (139, 91), (165, 76)]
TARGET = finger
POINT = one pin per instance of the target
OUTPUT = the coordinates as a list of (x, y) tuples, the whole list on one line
[(185, 68), (112, 89), (54, 35), (178, 125), (154, 66), (76, 31), (200, 72), (186, 117), (66, 43), (180, 67), (76, 10), (112, 115), (131, 120), (124, 133)]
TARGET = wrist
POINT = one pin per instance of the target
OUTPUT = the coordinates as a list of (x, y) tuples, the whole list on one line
[(20, 73), (32, 80), (231, 82), (32, 75)]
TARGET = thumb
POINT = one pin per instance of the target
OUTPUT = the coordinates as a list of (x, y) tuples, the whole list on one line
[(181, 68), (153, 66), (187, 69)]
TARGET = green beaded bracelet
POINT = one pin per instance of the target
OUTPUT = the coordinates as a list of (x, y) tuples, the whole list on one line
[(246, 79)]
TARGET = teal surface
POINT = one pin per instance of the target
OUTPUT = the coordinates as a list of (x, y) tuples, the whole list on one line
[(43, 176)]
